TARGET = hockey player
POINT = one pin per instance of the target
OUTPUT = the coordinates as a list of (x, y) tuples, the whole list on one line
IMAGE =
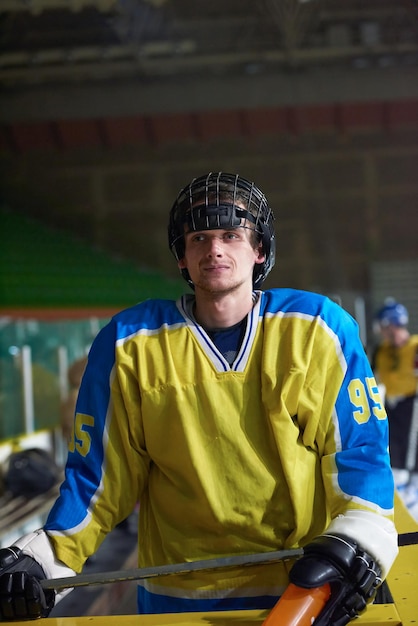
[(244, 421), (395, 364)]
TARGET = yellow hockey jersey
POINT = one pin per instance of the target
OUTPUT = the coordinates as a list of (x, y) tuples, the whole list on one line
[(397, 368), (224, 459)]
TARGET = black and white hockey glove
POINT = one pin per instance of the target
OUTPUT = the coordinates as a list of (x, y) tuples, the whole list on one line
[(352, 574), (21, 594)]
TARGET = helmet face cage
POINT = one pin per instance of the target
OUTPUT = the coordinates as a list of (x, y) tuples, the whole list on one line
[(394, 314), (223, 201)]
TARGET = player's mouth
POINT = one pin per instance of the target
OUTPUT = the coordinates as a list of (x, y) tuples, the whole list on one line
[(215, 269)]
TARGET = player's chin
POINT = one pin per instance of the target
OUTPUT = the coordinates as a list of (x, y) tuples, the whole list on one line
[(218, 287)]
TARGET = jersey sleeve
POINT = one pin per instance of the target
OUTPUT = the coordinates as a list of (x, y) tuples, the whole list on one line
[(356, 463), (107, 465)]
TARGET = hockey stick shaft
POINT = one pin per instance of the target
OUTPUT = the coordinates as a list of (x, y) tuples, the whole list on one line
[(102, 578)]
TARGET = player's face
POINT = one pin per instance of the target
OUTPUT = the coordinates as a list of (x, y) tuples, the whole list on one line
[(220, 261), (395, 335)]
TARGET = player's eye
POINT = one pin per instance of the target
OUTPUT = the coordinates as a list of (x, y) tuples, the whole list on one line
[(198, 237)]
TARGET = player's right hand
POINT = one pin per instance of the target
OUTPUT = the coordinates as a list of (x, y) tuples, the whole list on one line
[(21, 594)]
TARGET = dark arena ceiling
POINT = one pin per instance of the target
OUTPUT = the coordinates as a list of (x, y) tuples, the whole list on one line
[(83, 58), (111, 105), (56, 41)]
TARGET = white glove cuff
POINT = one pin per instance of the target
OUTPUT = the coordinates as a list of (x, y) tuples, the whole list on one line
[(38, 546), (375, 534)]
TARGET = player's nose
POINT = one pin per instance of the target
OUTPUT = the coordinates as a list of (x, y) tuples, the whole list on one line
[(215, 245)]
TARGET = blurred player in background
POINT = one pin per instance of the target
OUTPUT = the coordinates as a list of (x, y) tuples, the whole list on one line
[(395, 364)]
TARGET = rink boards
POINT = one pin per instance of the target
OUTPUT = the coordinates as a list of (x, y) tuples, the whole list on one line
[(402, 581)]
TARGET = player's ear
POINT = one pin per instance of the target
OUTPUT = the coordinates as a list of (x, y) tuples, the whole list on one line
[(261, 257)]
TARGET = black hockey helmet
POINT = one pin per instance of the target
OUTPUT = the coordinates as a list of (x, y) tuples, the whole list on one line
[(215, 200)]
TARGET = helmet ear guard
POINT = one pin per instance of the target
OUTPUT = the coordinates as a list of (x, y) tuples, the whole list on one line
[(268, 240), (222, 201)]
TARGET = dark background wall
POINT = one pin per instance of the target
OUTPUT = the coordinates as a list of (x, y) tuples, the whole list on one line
[(344, 194), (108, 110)]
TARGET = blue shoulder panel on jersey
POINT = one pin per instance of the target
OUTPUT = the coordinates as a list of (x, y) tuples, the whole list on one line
[(287, 301), (149, 315)]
